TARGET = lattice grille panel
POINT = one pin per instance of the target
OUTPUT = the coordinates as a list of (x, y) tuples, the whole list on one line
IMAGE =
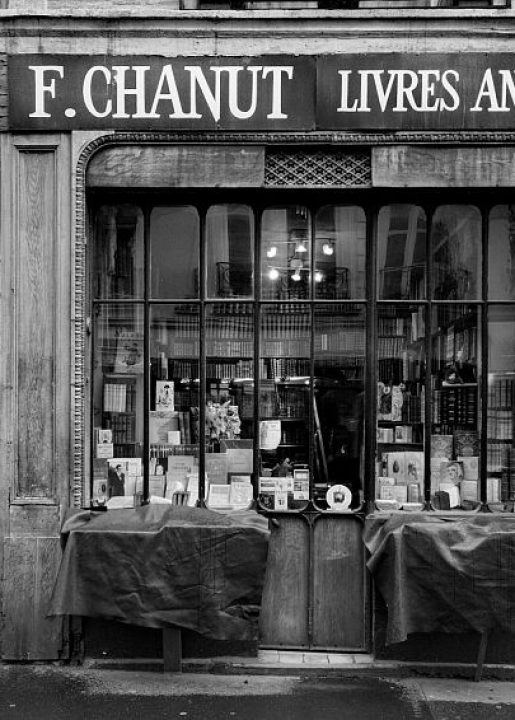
[(317, 168)]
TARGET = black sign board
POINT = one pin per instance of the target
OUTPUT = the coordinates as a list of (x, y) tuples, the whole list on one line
[(375, 92)]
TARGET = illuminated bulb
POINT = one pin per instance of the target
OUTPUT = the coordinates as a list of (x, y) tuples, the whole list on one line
[(296, 276), (273, 273), (327, 249), (318, 276), (272, 251), (301, 248)]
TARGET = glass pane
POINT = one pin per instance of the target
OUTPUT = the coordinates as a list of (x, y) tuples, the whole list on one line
[(284, 392), (501, 404), (339, 404), (400, 403), (230, 251), (118, 259), (456, 250), (174, 402), (117, 416), (455, 404), (340, 249), (285, 253), (229, 405), (174, 252), (401, 252), (501, 253)]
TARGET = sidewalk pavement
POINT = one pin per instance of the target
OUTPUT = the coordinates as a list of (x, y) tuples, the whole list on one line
[(57, 692)]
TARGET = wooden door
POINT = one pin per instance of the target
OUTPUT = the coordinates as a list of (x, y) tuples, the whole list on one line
[(315, 594)]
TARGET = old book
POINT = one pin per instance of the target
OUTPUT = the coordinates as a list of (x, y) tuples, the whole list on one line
[(466, 443), (442, 446), (160, 423), (470, 467), (129, 352)]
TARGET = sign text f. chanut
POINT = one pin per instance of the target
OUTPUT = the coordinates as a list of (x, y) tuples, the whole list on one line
[(107, 91)]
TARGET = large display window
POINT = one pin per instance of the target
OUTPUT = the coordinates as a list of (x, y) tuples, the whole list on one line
[(290, 356)]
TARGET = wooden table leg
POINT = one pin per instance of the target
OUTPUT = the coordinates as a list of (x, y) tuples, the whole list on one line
[(481, 656), (172, 650)]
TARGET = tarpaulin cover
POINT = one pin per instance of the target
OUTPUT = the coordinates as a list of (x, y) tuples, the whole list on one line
[(443, 574), (160, 566)]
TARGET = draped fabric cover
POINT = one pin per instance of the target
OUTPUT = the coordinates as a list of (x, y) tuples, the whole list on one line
[(443, 574), (158, 566)]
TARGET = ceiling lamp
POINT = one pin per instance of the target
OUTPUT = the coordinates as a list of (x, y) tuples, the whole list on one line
[(273, 273), (272, 251), (301, 248), (296, 275), (318, 276), (327, 248)]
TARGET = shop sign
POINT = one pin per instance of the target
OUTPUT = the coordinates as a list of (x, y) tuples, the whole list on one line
[(394, 92)]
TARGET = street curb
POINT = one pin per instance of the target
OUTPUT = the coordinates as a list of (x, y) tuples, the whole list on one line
[(242, 666)]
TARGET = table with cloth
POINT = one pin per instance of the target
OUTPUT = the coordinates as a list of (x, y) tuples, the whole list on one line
[(443, 573), (163, 566)]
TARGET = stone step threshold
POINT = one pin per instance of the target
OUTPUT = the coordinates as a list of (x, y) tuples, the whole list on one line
[(272, 662)]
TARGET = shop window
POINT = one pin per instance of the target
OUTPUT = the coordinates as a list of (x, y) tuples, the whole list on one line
[(501, 253), (286, 254), (174, 252), (456, 253), (230, 251), (216, 384), (401, 363), (500, 460), (118, 269), (455, 406), (401, 252), (340, 242)]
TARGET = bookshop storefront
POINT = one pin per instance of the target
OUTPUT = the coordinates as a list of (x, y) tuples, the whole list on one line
[(302, 312)]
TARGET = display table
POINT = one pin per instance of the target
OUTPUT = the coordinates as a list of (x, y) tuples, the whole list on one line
[(443, 573), (164, 566)]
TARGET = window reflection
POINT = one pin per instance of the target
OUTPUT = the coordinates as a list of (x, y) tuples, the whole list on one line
[(340, 247), (119, 252), (401, 252), (501, 253), (456, 250), (286, 254), (174, 252), (230, 251)]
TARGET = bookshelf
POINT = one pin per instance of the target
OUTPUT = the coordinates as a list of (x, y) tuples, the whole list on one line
[(455, 409), (500, 438)]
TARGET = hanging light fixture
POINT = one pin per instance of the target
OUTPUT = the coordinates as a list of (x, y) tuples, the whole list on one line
[(272, 251), (318, 276), (273, 273), (301, 248), (296, 275), (328, 248)]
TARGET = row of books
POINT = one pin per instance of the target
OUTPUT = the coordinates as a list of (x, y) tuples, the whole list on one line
[(497, 456), (119, 397), (500, 424), (282, 367), (348, 342), (123, 428), (456, 404), (290, 326), (501, 393)]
